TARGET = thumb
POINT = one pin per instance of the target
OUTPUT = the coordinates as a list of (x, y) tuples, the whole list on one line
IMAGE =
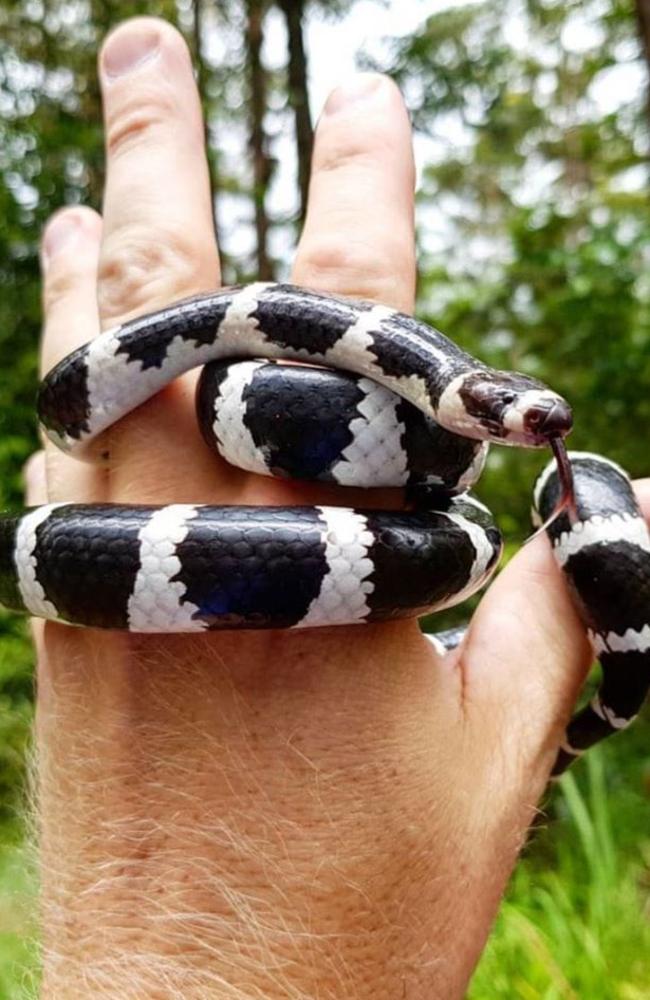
[(525, 658), (526, 654)]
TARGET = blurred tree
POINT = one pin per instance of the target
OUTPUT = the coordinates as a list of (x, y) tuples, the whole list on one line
[(258, 103), (536, 194), (202, 79), (294, 12), (643, 18)]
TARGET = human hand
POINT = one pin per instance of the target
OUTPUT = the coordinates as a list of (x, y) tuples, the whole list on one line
[(328, 813)]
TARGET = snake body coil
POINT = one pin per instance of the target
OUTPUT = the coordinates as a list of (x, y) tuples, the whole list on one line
[(406, 407), (604, 552)]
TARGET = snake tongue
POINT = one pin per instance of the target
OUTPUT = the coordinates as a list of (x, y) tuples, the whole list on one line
[(567, 498)]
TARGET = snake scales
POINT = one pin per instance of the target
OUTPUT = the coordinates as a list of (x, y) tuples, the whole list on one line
[(390, 402)]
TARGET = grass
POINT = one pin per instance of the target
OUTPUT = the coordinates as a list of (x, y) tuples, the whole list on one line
[(18, 948), (575, 924)]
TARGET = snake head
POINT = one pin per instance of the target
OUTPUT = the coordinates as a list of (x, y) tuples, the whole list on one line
[(537, 418), (506, 407)]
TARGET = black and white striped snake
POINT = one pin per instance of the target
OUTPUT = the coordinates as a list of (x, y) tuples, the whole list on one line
[(391, 402)]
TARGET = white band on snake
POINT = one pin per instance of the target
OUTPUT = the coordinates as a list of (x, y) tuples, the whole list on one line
[(388, 401)]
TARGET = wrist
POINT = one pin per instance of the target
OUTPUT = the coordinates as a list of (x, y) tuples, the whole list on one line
[(255, 811)]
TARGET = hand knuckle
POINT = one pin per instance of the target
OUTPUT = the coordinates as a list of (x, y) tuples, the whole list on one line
[(61, 285), (352, 268), (343, 156), (139, 120), (139, 270), (328, 255), (359, 149)]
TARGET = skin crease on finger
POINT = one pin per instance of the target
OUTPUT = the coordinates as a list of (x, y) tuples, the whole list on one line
[(331, 813)]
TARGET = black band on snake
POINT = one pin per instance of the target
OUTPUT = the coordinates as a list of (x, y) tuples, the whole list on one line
[(392, 402)]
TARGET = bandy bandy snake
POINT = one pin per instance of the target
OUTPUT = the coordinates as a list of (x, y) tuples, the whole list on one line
[(370, 397)]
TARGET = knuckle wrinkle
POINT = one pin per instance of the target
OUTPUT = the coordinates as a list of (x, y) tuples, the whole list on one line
[(137, 122), (141, 271)]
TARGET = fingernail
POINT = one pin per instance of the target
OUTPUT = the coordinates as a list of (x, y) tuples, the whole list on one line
[(359, 88), (128, 48), (58, 232)]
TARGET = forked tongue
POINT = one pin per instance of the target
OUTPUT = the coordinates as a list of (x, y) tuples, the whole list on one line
[(567, 499)]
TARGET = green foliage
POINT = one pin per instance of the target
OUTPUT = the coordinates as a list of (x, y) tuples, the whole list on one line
[(15, 709), (573, 923), (540, 199), (18, 947)]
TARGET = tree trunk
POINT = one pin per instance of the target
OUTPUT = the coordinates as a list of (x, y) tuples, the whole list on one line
[(257, 107), (294, 13), (90, 108), (643, 21), (202, 83)]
